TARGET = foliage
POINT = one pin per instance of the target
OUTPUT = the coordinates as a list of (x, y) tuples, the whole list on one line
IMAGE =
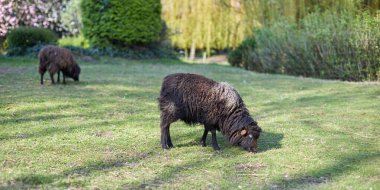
[(120, 24), (6, 18), (103, 132), (235, 57), (240, 57), (19, 40), (35, 13), (268, 12), (149, 52), (71, 17), (78, 41), (207, 24), (221, 24), (328, 45)]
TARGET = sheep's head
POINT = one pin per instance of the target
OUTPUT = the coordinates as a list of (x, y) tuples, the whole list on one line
[(75, 71), (249, 136)]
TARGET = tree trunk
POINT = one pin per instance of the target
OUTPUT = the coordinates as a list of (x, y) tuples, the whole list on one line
[(192, 51), (204, 56), (186, 53)]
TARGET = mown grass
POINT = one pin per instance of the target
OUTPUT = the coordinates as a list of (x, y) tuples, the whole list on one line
[(103, 132)]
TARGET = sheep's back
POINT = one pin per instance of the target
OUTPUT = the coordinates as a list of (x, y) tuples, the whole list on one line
[(60, 57), (199, 99)]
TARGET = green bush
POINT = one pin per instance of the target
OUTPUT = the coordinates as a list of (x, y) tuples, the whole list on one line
[(235, 57), (78, 41), (121, 24), (241, 56), (327, 45), (151, 52), (22, 38)]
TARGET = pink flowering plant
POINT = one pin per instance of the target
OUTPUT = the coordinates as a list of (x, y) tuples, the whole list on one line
[(36, 13)]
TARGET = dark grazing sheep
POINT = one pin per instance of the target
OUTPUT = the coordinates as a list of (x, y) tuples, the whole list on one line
[(56, 59), (197, 99)]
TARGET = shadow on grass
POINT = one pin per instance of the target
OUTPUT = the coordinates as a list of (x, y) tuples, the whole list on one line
[(324, 175), (35, 118), (49, 131), (169, 174), (267, 140), (33, 180), (330, 99), (104, 165)]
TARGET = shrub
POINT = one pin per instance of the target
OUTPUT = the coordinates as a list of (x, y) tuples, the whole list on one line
[(241, 56), (154, 52), (19, 39), (120, 24), (235, 57), (79, 41), (24, 37), (326, 45)]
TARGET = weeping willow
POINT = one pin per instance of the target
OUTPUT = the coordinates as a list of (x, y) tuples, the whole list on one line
[(207, 24), (220, 24)]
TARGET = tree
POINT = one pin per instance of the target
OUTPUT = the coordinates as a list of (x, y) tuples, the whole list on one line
[(121, 24), (71, 17), (207, 24), (220, 24), (36, 13)]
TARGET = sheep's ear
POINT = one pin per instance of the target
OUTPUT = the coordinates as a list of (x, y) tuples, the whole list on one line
[(243, 132)]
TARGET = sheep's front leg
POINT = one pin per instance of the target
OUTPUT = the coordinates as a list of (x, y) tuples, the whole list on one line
[(42, 78), (64, 78), (169, 140), (213, 140), (204, 137)]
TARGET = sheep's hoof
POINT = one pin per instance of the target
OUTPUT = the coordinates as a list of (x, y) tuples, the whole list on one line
[(216, 147)]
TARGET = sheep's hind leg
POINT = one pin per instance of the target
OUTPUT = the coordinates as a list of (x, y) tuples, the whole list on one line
[(64, 78), (213, 140), (52, 78), (165, 134), (204, 137), (58, 79), (167, 117)]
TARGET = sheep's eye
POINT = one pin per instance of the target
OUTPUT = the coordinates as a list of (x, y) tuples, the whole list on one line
[(250, 136)]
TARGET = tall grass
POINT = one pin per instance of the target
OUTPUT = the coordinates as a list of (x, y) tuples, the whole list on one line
[(326, 44)]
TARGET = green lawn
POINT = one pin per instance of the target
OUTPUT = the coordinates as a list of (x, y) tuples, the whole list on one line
[(103, 132)]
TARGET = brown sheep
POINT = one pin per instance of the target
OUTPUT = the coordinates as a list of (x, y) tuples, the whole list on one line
[(197, 99), (56, 59)]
